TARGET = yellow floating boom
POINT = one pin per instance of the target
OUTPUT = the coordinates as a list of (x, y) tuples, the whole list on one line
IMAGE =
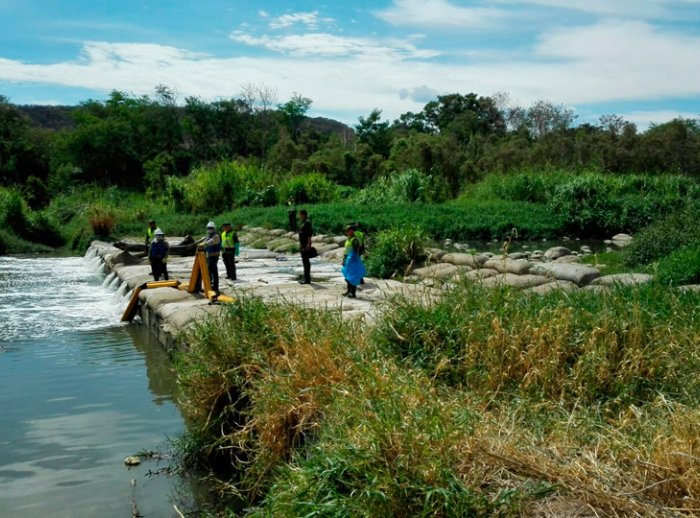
[(130, 310), (199, 277)]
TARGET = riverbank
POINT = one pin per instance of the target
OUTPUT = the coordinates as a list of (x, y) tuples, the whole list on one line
[(459, 398)]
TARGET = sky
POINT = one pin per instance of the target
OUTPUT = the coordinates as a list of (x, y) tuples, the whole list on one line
[(635, 58)]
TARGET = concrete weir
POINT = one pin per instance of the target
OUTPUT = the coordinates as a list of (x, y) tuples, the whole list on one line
[(269, 275)]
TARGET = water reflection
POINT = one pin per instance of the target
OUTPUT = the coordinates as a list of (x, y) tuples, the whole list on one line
[(79, 392)]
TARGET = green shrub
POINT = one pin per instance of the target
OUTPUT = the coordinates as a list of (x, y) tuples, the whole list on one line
[(13, 210), (664, 236), (308, 188), (533, 187), (681, 266), (408, 186), (593, 204), (394, 252), (600, 206)]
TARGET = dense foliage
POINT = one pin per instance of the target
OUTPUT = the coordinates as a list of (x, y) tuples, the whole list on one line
[(465, 167)]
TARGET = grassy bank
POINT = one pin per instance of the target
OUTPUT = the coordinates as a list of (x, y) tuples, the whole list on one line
[(487, 402), (23, 230)]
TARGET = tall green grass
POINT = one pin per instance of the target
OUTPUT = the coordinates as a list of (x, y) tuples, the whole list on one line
[(574, 347), (481, 403)]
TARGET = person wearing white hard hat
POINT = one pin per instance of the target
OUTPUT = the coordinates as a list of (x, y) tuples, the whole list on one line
[(158, 252), (212, 247)]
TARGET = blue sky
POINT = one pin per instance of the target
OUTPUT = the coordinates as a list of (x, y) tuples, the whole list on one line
[(637, 58)]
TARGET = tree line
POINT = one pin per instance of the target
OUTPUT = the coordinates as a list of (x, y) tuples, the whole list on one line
[(137, 142)]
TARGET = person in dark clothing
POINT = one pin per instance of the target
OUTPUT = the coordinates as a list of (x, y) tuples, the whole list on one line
[(229, 241), (158, 255), (305, 233), (212, 246)]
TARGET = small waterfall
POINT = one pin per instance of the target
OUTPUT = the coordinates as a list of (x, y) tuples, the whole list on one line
[(114, 283), (109, 279), (94, 261)]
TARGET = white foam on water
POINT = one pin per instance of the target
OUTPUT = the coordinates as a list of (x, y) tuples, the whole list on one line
[(42, 296)]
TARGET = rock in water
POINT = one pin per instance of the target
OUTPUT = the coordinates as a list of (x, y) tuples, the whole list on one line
[(134, 460)]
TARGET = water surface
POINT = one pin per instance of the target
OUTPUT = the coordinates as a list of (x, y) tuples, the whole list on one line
[(79, 392)]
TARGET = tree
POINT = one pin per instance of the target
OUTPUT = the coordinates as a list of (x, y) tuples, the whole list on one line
[(545, 117), (293, 113), (23, 151), (375, 133)]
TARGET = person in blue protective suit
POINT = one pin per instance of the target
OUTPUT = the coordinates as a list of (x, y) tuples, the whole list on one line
[(212, 247), (158, 251), (353, 267)]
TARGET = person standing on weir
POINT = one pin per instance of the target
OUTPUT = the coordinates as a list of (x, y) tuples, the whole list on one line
[(229, 241), (305, 233), (212, 247), (150, 233), (353, 268), (158, 255)]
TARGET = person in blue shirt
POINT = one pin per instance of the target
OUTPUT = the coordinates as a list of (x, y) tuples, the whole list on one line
[(158, 251)]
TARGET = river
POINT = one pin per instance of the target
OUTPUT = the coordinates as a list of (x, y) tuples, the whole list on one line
[(79, 392)]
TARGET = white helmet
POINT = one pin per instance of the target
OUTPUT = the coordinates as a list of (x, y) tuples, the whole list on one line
[(159, 232), (211, 225)]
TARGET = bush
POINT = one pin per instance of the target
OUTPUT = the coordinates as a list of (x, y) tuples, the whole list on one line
[(25, 230), (532, 187), (308, 188), (594, 204), (663, 237), (13, 210), (682, 266), (406, 187), (101, 220), (394, 252), (600, 206), (217, 188)]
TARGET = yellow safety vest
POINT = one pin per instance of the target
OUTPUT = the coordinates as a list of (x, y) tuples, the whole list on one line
[(349, 244), (227, 239), (149, 234)]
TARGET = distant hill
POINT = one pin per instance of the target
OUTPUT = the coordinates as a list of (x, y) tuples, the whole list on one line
[(329, 126), (49, 117), (60, 117)]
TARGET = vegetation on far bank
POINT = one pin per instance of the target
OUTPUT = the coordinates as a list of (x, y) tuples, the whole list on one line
[(464, 167)]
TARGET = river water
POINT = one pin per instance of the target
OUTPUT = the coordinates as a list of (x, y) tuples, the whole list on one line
[(79, 392)]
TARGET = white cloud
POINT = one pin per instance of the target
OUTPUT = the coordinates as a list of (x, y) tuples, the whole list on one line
[(310, 19), (604, 62), (323, 44), (439, 14), (625, 8), (419, 94), (644, 119)]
